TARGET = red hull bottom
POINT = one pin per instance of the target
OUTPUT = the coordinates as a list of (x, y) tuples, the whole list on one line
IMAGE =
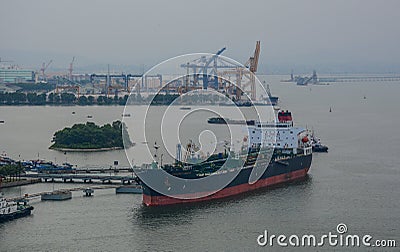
[(227, 192)]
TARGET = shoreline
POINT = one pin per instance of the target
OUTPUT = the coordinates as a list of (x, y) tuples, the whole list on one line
[(20, 182), (86, 150)]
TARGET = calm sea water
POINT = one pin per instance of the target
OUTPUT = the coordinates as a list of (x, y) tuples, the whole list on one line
[(356, 183)]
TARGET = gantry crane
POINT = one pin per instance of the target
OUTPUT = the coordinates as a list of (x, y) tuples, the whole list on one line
[(216, 72)]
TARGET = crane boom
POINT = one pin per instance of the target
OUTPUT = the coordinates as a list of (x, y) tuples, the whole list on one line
[(48, 64), (256, 57), (71, 68), (43, 69)]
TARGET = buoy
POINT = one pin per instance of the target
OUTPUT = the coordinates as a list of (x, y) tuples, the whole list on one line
[(330, 109)]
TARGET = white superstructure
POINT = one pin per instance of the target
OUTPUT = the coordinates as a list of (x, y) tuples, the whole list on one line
[(279, 135), (7, 207)]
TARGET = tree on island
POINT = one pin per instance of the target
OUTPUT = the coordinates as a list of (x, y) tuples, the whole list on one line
[(92, 136)]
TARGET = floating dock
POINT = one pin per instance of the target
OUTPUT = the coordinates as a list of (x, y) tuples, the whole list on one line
[(57, 195), (51, 196), (134, 189)]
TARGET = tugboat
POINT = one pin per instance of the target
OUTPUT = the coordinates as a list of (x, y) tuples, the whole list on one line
[(272, 99), (316, 144), (282, 159), (10, 210)]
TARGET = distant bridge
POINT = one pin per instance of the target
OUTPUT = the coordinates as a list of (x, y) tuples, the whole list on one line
[(359, 79), (102, 170)]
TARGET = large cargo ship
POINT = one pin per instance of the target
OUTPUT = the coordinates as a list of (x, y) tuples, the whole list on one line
[(278, 150)]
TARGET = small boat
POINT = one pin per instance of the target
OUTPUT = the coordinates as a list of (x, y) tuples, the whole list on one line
[(57, 195), (10, 210), (185, 108), (126, 115), (2, 121), (319, 148), (88, 192), (316, 144), (89, 116), (73, 112), (216, 120)]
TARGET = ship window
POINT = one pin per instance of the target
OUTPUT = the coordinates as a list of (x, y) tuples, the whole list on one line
[(279, 144), (291, 132), (254, 132)]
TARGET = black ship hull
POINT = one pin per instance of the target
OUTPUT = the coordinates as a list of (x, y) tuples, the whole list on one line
[(278, 172), (20, 213)]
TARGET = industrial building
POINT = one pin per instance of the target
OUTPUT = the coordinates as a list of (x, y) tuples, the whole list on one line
[(16, 75)]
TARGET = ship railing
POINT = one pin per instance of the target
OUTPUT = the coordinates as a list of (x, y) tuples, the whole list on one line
[(306, 150), (285, 124)]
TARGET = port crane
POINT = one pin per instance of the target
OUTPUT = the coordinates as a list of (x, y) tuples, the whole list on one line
[(71, 68), (252, 64), (216, 72), (245, 77), (200, 69), (44, 68)]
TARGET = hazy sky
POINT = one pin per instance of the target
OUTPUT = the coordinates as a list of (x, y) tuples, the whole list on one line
[(298, 33)]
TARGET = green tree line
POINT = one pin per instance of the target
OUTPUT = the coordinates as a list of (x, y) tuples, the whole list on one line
[(11, 171), (19, 98)]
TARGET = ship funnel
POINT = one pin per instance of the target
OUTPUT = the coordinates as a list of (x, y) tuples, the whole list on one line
[(284, 116)]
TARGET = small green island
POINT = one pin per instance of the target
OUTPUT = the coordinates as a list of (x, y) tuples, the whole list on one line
[(92, 137)]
